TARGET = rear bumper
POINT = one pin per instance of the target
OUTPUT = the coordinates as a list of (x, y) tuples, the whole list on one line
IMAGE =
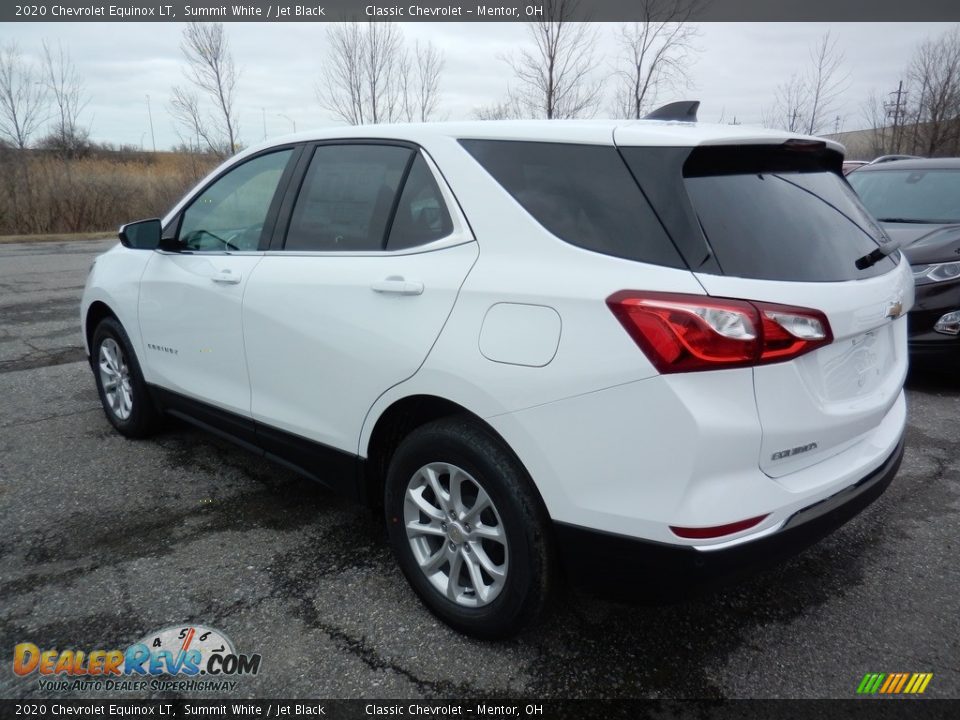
[(631, 568)]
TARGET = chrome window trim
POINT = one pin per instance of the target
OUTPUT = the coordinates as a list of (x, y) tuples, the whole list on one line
[(452, 240)]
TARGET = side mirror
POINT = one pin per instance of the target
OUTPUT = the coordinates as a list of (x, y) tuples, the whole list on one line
[(141, 235)]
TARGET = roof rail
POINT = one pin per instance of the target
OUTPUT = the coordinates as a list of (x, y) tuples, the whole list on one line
[(683, 110), (891, 158)]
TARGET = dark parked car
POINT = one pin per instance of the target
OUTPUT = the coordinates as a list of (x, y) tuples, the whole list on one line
[(918, 204)]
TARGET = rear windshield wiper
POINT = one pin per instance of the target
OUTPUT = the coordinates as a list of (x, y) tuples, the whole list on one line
[(911, 220), (872, 258)]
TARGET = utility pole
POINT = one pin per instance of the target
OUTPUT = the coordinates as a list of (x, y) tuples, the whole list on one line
[(900, 97), (153, 139), (897, 111)]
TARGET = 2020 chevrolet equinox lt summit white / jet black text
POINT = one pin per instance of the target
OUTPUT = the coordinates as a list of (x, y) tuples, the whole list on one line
[(613, 350)]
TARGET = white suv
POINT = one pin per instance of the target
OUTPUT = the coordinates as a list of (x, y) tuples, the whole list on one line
[(617, 350)]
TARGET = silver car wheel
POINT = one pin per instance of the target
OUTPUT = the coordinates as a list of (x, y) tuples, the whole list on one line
[(456, 534), (115, 379)]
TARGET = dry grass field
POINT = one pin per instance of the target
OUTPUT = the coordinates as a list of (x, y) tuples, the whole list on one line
[(42, 193)]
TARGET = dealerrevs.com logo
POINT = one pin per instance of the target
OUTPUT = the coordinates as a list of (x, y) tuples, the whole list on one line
[(177, 658)]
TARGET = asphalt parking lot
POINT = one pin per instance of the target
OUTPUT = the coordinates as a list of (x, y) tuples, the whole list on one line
[(103, 540)]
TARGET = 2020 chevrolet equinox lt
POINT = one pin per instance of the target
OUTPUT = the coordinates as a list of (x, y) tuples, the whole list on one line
[(612, 350)]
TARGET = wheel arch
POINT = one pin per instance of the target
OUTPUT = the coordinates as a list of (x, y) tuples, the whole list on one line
[(96, 313), (402, 417)]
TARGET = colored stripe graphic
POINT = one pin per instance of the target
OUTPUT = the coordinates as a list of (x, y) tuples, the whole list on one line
[(877, 679), (901, 683), (894, 683)]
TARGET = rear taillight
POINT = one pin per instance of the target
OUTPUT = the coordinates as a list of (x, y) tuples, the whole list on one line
[(686, 333)]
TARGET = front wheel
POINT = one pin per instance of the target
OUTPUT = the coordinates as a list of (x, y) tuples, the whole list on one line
[(468, 529), (123, 392)]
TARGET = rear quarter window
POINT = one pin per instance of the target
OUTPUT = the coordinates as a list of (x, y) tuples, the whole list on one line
[(583, 194)]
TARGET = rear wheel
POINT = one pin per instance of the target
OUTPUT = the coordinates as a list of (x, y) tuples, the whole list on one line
[(123, 392), (467, 528)]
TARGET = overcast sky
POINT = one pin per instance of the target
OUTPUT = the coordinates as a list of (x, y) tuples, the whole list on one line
[(734, 74)]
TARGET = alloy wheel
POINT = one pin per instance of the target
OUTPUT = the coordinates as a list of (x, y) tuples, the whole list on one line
[(115, 379), (456, 534)]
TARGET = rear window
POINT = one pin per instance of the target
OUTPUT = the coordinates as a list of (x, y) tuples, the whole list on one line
[(914, 196), (768, 212), (796, 226), (583, 194)]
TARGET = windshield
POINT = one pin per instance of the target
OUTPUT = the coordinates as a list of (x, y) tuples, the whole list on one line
[(910, 196)]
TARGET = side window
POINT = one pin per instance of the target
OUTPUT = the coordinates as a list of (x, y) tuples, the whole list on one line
[(583, 194), (422, 216), (347, 196), (229, 215)]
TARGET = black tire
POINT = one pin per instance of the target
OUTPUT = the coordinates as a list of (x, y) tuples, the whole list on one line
[(143, 417), (466, 444)]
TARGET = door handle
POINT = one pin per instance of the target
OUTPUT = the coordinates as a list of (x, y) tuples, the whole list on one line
[(226, 277), (398, 286)]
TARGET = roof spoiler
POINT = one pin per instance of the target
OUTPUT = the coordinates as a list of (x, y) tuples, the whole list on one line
[(684, 111)]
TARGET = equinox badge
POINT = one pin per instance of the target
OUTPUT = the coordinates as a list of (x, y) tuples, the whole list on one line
[(793, 451)]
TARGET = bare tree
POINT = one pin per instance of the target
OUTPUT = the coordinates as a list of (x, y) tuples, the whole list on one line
[(370, 76), (422, 82), (922, 116), (342, 90), (382, 48), (806, 102), (826, 85), (789, 109), (212, 72), (365, 72), (934, 79), (69, 99), (653, 54), (193, 129), (556, 78), (22, 97), (506, 110)]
